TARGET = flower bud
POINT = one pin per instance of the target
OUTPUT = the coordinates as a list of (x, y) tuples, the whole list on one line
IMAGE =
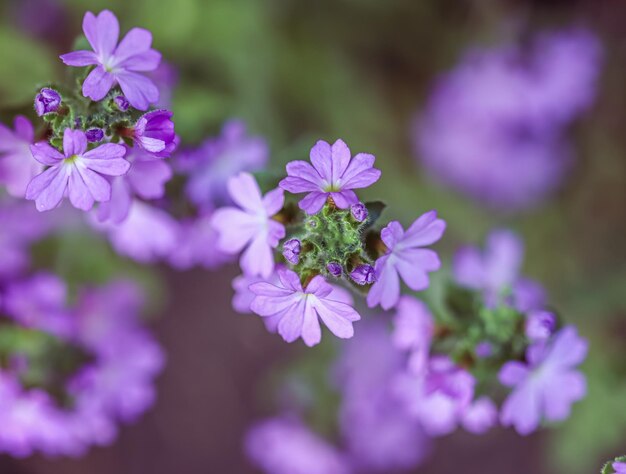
[(540, 325), (363, 274), (154, 132), (47, 101), (359, 211), (291, 251), (94, 135), (122, 103), (334, 269)]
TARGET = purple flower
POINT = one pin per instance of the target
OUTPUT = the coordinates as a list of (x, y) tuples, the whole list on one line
[(619, 467), (484, 349), (17, 165), (197, 245), (146, 179), (334, 269), (251, 225), (540, 325), (480, 416), (286, 446), (406, 259), (121, 102), (414, 327), (333, 174), (359, 211), (439, 396), (496, 272), (298, 309), (547, 384), (77, 172), (116, 64), (154, 133), (494, 127), (291, 251), (148, 234), (47, 101), (211, 165), (363, 274), (94, 135)]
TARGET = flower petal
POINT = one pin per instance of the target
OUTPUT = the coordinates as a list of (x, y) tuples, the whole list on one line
[(321, 157), (74, 142), (313, 202), (386, 290), (311, 330), (98, 83), (102, 32), (360, 173), (139, 90), (46, 154), (426, 230), (48, 188), (245, 192), (80, 58)]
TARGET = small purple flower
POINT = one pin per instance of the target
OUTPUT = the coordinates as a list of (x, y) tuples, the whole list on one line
[(94, 135), (251, 225), (291, 251), (413, 329), (363, 274), (547, 384), (334, 269), (77, 172), (17, 165), (47, 101), (286, 446), (484, 349), (359, 211), (540, 325), (405, 258), (619, 467), (154, 133), (211, 165), (439, 396), (496, 272), (333, 174), (121, 102), (116, 63), (299, 309), (480, 416)]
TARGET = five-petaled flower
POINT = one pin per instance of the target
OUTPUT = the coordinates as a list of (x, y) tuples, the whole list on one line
[(251, 225), (296, 310), (405, 258), (77, 172), (117, 64), (547, 384), (333, 174)]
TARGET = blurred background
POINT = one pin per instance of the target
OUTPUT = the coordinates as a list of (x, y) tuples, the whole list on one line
[(362, 70)]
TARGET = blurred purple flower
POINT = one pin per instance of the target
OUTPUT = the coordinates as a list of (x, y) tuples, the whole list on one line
[(540, 325), (286, 446), (299, 309), (145, 179), (47, 101), (493, 127), (197, 245), (251, 225), (77, 172), (116, 64), (439, 397), (495, 272), (17, 165), (413, 329), (405, 258), (547, 384), (480, 416), (148, 234), (211, 165), (154, 133), (619, 467), (333, 174)]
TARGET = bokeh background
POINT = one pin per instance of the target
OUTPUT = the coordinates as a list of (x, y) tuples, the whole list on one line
[(296, 71)]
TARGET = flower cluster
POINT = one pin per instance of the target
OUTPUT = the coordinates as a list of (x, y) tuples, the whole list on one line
[(494, 127), (332, 241)]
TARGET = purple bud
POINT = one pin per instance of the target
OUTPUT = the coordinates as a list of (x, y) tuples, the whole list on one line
[(291, 251), (484, 349), (154, 132), (540, 325), (334, 269), (359, 211), (363, 274), (94, 135), (47, 101), (122, 103)]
